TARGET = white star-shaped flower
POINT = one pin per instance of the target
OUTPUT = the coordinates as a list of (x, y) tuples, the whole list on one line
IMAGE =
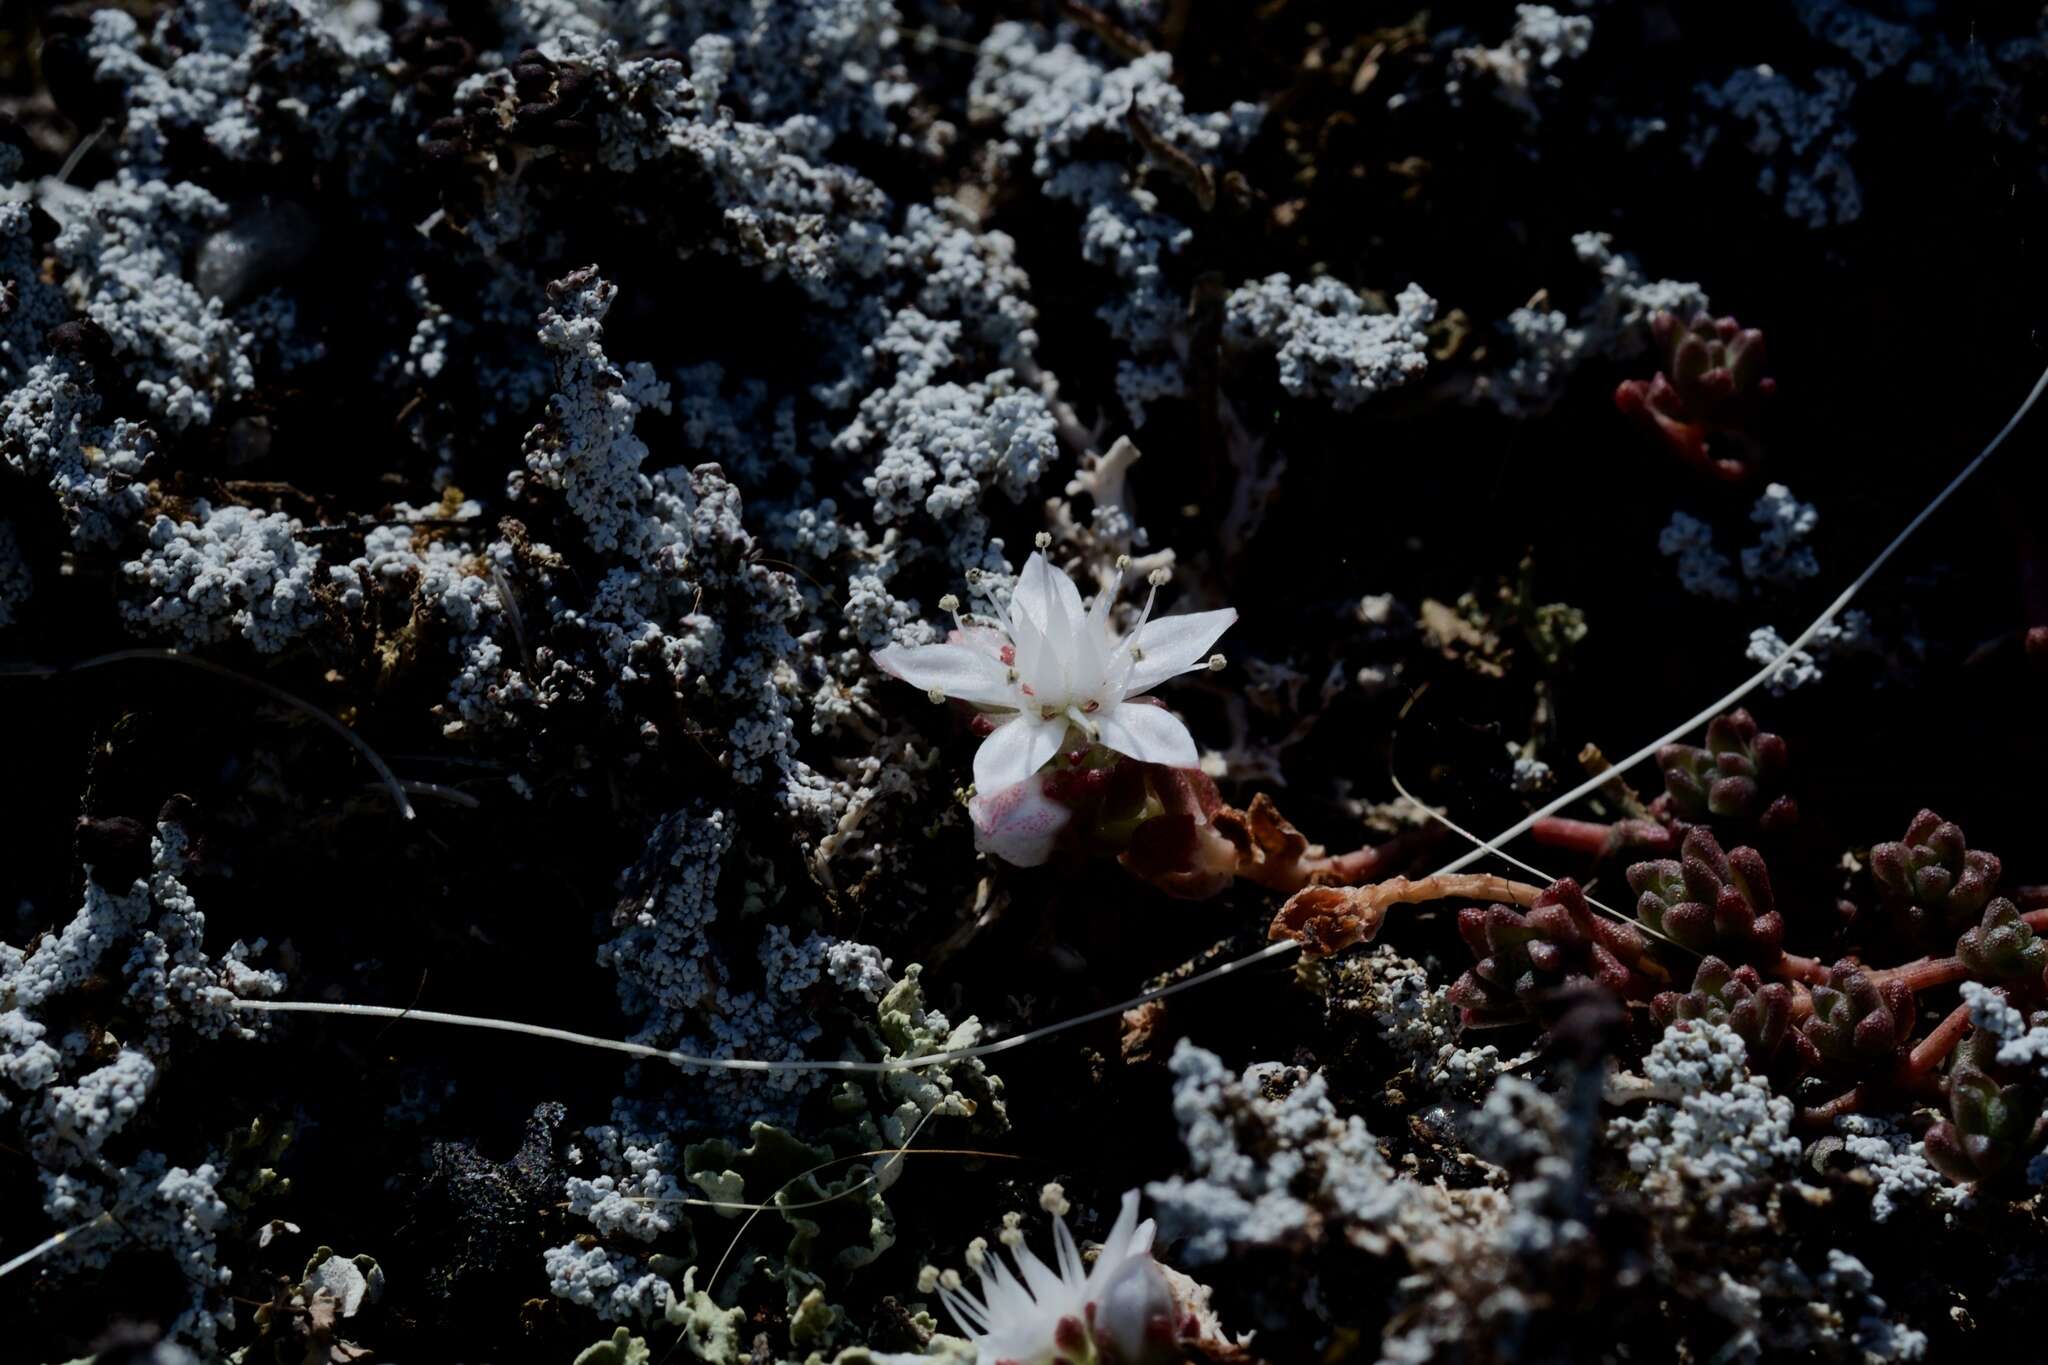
[(1121, 1308), (1060, 665)]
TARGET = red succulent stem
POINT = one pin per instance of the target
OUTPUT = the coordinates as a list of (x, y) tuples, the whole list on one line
[(1824, 1115), (1913, 1072), (1928, 1053), (1597, 840), (1925, 974), (1928, 972), (1580, 836), (1793, 967), (1376, 862)]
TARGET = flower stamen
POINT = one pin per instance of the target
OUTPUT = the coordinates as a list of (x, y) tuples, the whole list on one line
[(950, 604)]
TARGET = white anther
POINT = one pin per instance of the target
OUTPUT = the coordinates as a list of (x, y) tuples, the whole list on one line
[(1216, 663), (949, 603), (1159, 578)]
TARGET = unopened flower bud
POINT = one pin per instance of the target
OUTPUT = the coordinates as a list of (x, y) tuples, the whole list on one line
[(1019, 824), (1135, 1314)]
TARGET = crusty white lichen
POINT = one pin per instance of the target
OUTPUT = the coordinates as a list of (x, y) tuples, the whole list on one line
[(68, 1103), (1329, 344), (1898, 1165), (1273, 1162), (49, 434), (224, 572), (1071, 116), (2022, 1041), (1797, 134), (1846, 635), (1415, 1017), (1781, 555), (1527, 67), (1544, 345), (1703, 570), (1713, 1140)]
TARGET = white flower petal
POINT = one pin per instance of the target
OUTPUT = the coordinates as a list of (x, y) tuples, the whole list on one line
[(956, 670), (1020, 748), (983, 639), (1048, 1291), (1090, 656), (1048, 598), (1150, 734), (1098, 610), (1069, 598), (1072, 1270), (1173, 645), (1037, 667), (1011, 1309), (1035, 595), (1115, 1246)]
